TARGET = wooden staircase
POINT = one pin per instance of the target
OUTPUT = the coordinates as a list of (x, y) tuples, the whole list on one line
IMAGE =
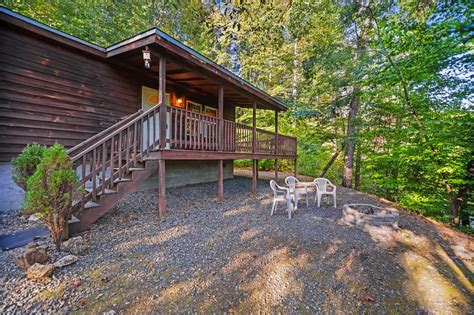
[(112, 163)]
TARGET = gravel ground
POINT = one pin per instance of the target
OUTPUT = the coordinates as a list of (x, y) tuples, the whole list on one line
[(210, 257)]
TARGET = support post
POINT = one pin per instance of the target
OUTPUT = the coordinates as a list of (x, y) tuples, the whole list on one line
[(254, 177), (276, 144), (162, 179), (254, 127), (276, 133), (276, 169), (254, 148), (162, 102), (294, 167), (220, 180), (220, 114), (257, 169)]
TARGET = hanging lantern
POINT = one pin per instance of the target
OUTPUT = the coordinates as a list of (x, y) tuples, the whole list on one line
[(147, 57)]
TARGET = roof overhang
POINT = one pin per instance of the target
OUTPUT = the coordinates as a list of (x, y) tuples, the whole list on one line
[(151, 37)]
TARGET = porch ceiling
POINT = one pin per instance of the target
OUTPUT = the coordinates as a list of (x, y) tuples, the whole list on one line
[(185, 76)]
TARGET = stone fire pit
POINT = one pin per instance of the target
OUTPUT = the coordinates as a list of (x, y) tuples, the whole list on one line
[(365, 216)]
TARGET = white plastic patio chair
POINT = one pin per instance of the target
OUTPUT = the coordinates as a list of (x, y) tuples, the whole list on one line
[(281, 194), (322, 185), (291, 182)]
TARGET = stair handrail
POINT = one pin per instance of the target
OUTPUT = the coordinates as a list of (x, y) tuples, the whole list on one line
[(103, 132), (115, 132)]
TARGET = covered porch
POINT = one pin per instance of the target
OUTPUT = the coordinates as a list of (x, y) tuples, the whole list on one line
[(191, 117)]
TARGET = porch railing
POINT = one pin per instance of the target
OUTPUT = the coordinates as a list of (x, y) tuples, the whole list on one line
[(195, 131), (106, 158)]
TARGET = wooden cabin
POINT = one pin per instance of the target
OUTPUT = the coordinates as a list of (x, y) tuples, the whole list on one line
[(144, 113)]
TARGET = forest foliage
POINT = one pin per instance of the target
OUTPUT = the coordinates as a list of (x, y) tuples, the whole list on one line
[(380, 92)]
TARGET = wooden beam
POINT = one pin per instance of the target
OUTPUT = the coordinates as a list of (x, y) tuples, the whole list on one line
[(254, 177), (211, 155), (220, 113), (254, 127), (276, 144), (162, 102), (162, 182), (257, 168), (276, 169), (294, 167), (220, 180)]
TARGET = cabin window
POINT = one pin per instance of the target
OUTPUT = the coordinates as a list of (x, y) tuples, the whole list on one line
[(194, 107), (210, 111)]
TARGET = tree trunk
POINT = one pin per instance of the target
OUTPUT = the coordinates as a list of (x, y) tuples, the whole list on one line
[(330, 162), (350, 141), (294, 83), (357, 170), (457, 199)]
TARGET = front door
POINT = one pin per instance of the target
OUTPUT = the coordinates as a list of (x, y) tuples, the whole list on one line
[(150, 99)]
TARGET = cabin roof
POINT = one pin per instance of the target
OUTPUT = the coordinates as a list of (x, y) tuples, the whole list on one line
[(152, 37)]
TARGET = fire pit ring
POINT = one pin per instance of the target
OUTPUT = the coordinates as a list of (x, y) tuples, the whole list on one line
[(365, 215)]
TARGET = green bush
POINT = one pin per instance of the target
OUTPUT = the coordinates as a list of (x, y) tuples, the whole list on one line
[(25, 164), (50, 191)]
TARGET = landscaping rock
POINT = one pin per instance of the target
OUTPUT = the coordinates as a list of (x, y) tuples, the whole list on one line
[(31, 256), (39, 271), (33, 218), (66, 261), (76, 245)]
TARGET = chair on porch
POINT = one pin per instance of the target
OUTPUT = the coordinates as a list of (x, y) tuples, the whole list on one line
[(322, 185), (292, 182), (282, 194)]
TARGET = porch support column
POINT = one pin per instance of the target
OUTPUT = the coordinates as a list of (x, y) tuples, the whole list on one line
[(162, 182), (220, 139), (254, 148), (254, 177), (220, 180), (294, 167), (162, 102), (257, 168), (220, 113), (276, 144)]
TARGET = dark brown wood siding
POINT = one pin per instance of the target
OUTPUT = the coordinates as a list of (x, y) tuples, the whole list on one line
[(50, 93)]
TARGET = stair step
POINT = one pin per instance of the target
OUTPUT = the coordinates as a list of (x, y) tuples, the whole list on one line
[(106, 192), (73, 219), (136, 169), (122, 180), (91, 204)]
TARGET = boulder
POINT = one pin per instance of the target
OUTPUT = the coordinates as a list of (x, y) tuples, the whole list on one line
[(39, 271), (65, 261), (31, 256), (76, 245)]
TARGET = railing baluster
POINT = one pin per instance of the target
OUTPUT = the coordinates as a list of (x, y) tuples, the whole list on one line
[(93, 174), (104, 159), (147, 134), (127, 154), (112, 149), (135, 144), (154, 133), (120, 156)]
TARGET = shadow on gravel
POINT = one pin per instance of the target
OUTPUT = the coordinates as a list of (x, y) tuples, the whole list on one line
[(210, 257)]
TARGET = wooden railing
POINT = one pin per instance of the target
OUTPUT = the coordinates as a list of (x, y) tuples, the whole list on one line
[(106, 158), (193, 131), (101, 163)]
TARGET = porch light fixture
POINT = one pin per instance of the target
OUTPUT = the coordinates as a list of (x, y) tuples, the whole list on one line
[(179, 101), (147, 57)]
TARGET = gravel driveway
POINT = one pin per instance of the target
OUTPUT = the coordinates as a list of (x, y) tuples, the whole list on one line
[(208, 257)]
